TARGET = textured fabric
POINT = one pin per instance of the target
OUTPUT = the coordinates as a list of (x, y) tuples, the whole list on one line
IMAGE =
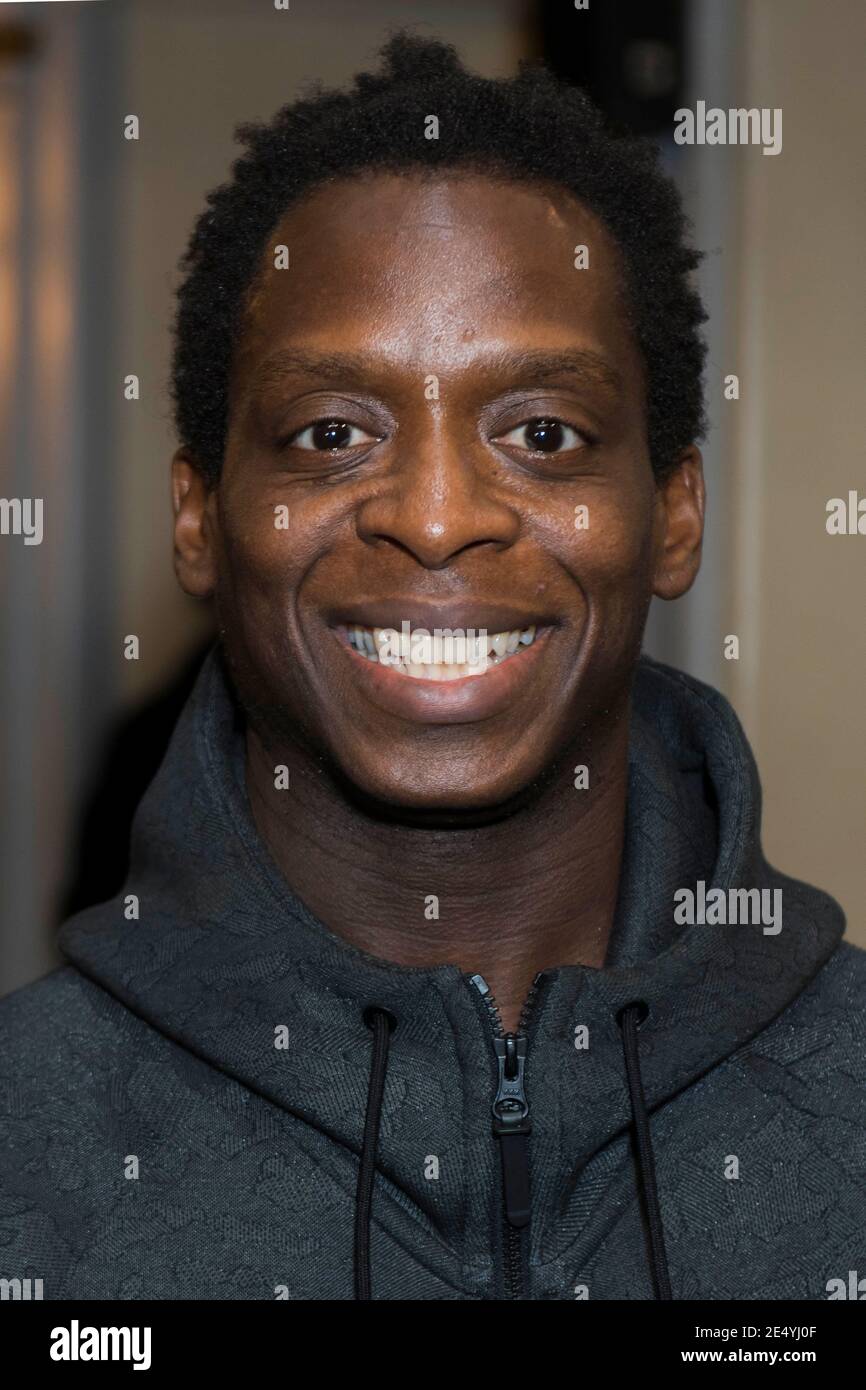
[(153, 1052)]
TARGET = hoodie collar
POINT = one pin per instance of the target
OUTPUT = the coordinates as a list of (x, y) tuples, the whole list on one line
[(222, 956)]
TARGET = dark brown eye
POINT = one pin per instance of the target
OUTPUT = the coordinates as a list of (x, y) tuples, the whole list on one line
[(324, 435), (544, 436)]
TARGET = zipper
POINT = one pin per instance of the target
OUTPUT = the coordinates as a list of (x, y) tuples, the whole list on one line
[(511, 1126)]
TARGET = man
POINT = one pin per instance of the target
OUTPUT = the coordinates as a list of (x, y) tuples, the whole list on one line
[(449, 965)]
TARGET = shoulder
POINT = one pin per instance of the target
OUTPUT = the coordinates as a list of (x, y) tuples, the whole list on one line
[(67, 1050), (73, 1061), (819, 1043), (48, 1026), (53, 1037), (841, 986)]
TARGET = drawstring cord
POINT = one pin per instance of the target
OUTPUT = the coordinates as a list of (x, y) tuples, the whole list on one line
[(630, 1018), (382, 1023)]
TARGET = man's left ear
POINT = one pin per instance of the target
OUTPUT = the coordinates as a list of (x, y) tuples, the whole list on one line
[(680, 522)]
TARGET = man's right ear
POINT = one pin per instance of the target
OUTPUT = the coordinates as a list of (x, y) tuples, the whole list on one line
[(195, 528)]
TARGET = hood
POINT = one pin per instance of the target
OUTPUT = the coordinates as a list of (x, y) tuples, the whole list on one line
[(222, 955)]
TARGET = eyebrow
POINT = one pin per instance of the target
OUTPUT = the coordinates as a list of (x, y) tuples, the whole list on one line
[(537, 365)]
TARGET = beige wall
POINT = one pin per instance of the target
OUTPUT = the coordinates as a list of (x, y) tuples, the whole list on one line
[(797, 594)]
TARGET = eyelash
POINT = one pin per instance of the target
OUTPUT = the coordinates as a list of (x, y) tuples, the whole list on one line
[(588, 440)]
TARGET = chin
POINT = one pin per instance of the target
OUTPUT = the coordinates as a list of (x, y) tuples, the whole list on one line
[(405, 795)]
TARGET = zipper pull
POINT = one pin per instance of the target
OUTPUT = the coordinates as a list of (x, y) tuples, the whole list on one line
[(512, 1126), (511, 1123)]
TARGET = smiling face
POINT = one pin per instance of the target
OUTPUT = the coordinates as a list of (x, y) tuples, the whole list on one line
[(437, 422)]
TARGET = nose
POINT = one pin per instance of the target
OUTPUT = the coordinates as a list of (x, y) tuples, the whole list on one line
[(440, 501)]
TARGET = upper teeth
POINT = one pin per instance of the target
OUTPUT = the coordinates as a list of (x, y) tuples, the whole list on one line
[(474, 650)]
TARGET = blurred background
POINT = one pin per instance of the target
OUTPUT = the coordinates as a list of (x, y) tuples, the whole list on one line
[(91, 230)]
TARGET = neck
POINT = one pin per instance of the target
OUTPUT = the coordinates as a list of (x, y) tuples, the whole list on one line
[(535, 889)]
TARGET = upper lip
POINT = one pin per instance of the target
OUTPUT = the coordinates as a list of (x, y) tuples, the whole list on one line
[(421, 613)]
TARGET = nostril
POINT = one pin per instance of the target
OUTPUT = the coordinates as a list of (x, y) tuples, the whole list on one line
[(370, 1012), (638, 1007)]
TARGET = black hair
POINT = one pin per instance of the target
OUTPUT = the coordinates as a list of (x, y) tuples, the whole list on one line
[(531, 127)]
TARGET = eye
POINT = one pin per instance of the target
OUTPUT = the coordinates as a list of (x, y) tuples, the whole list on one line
[(324, 436), (544, 435)]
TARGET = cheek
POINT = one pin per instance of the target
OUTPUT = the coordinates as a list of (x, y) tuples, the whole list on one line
[(269, 540), (258, 575), (605, 542)]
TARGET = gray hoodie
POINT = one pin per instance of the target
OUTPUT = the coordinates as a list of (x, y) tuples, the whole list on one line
[(219, 1098)]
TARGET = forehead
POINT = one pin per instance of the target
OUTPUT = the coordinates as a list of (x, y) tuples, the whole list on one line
[(430, 268)]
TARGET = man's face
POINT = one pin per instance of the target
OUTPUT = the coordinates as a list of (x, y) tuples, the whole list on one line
[(429, 325)]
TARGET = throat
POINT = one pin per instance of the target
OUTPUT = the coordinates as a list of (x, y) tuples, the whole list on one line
[(511, 982), (505, 901), (510, 1013)]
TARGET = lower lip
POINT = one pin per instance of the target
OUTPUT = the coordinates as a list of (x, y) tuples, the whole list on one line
[(462, 701)]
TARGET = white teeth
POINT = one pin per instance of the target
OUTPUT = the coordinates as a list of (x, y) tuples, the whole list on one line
[(481, 650)]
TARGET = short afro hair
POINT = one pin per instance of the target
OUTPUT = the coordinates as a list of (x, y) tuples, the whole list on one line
[(530, 127)]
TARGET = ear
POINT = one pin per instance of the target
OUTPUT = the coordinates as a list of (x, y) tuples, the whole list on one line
[(195, 527), (680, 521)]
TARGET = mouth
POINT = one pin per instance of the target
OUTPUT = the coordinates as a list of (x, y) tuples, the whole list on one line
[(449, 654), (447, 675)]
